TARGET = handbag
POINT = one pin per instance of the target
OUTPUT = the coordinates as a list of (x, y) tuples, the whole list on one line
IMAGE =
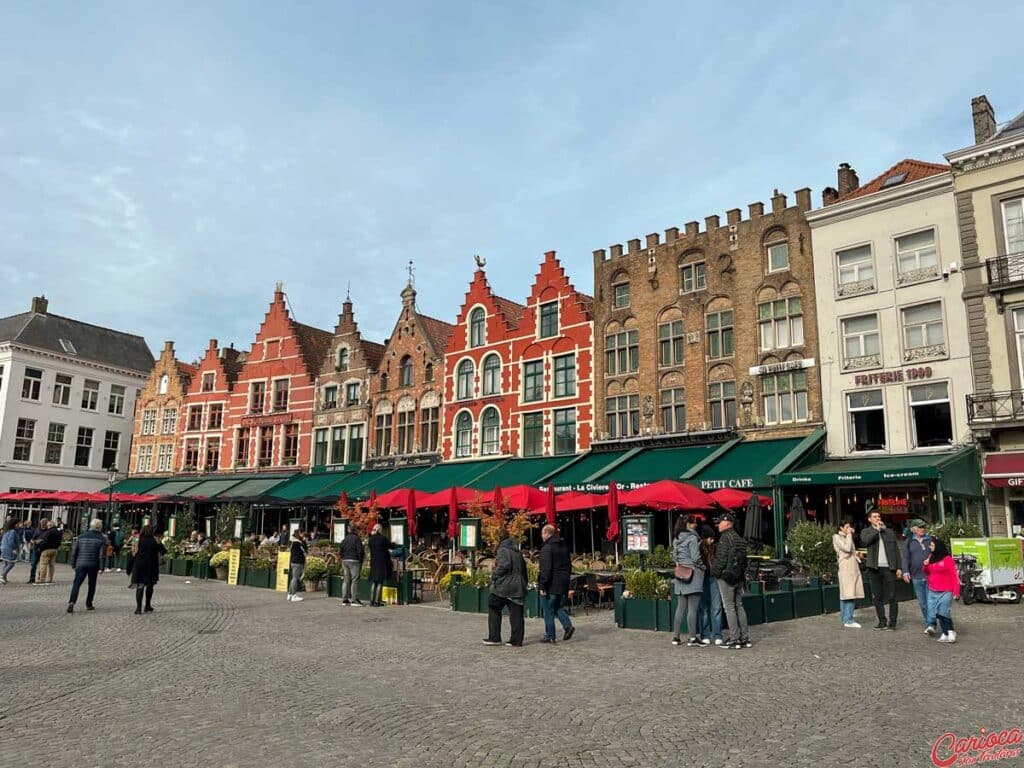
[(684, 573)]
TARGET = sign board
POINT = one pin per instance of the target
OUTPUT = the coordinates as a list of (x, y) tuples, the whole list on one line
[(397, 526), (293, 526), (893, 377), (209, 527), (239, 530), (732, 482), (339, 529), (234, 561), (172, 526), (638, 533), (284, 561), (469, 533), (789, 365), (1001, 560)]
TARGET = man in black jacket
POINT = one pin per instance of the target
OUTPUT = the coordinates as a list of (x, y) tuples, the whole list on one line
[(883, 564), (47, 544), (352, 554), (730, 569), (296, 565), (508, 590), (553, 583), (86, 555)]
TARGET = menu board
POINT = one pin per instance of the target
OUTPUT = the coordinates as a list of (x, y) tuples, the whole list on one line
[(638, 534)]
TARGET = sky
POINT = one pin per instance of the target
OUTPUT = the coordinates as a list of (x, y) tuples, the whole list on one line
[(163, 165)]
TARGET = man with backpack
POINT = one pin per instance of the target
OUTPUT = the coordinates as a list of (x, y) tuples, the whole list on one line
[(730, 569), (117, 543)]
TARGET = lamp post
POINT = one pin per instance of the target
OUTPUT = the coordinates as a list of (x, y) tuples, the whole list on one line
[(111, 479)]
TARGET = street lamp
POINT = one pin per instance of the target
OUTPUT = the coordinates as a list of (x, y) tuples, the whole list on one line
[(111, 479)]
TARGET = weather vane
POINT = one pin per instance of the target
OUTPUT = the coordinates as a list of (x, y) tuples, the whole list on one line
[(480, 260), (412, 273)]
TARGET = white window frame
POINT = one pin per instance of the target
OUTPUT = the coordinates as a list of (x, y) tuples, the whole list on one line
[(51, 442), (540, 319), (861, 335), (465, 373), (1015, 246), (91, 396), (463, 435), (489, 372), (615, 294), (770, 328), (911, 405), (696, 274), (851, 423), (476, 327), (490, 445), (863, 269), (62, 390), (922, 327), (774, 400), (144, 462), (916, 254), (164, 457), (770, 249), (34, 384)]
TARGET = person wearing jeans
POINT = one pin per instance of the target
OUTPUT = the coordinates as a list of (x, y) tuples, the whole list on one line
[(710, 608), (553, 583), (297, 565), (9, 545), (686, 554), (85, 559), (943, 586), (352, 554), (730, 569), (915, 551), (851, 585)]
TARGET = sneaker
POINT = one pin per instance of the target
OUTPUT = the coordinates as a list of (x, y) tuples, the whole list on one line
[(358, 603), (71, 608), (693, 642), (288, 598), (346, 602), (491, 642), (513, 645), (567, 635), (148, 609), (951, 636), (549, 640), (297, 598), (705, 641), (735, 646), (676, 640), (929, 631), (852, 625), (118, 570), (891, 627), (718, 641), (881, 625), (943, 638), (138, 611), (746, 643), (90, 607), (3, 580)]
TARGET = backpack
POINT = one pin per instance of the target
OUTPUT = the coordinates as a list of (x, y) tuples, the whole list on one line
[(737, 568)]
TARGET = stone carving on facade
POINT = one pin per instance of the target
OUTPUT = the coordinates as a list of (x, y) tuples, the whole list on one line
[(917, 275), (747, 401), (864, 361), (857, 288), (925, 353)]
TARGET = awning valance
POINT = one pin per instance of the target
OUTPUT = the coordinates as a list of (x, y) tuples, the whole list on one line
[(1004, 470)]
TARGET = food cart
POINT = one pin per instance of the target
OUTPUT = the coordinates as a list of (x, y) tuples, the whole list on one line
[(998, 568)]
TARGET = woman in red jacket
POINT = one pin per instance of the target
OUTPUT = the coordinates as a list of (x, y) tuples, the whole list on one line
[(943, 586)]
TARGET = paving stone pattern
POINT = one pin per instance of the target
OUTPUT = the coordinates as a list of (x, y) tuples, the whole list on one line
[(229, 677)]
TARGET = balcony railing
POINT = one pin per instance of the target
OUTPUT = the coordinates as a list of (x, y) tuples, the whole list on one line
[(995, 407), (1005, 271)]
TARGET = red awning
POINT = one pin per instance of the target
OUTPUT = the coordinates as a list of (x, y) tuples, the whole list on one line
[(733, 498), (1004, 470), (667, 494)]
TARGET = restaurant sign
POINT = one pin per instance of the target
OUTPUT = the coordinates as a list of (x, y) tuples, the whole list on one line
[(893, 377), (869, 476), (789, 365), (734, 482), (403, 462)]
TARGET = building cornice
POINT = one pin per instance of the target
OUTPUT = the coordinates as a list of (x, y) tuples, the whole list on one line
[(932, 186), (979, 156)]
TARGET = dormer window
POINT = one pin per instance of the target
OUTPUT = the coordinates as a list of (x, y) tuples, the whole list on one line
[(68, 347), (405, 372), (164, 381), (208, 379), (549, 320), (476, 327), (342, 364)]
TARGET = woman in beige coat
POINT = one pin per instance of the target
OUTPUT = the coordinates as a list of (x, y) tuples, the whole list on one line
[(851, 585)]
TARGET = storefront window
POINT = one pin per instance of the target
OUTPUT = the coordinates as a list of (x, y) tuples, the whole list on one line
[(867, 420), (930, 415)]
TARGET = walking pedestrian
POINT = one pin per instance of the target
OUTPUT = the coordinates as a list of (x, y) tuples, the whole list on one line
[(352, 555), (710, 609), (883, 564), (915, 551), (296, 565), (943, 587), (553, 583), (730, 569), (132, 542), (85, 559), (508, 590), (9, 546), (851, 584), (145, 572), (117, 544), (47, 545), (380, 564), (688, 583)]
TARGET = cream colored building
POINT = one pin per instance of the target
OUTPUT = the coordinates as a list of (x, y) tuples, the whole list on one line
[(988, 178)]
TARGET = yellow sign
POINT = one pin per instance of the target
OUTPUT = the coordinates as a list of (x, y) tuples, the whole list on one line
[(284, 561), (235, 560)]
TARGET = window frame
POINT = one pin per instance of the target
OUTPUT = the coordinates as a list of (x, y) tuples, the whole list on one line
[(674, 344), (779, 397), (624, 414), (477, 327), (463, 435), (772, 323), (544, 318), (24, 437), (844, 336), (769, 247), (533, 381), (62, 384), (83, 433), (405, 371), (430, 422), (724, 399), (907, 276), (91, 395), (617, 353), (490, 421), (697, 274), (721, 335), (32, 384), (851, 422), (465, 373), (911, 415), (564, 376), (560, 421), (670, 407), (116, 402), (616, 295), (923, 328), (533, 434), (491, 374)]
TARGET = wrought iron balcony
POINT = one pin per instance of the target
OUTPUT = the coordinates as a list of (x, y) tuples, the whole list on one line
[(988, 408), (1005, 271)]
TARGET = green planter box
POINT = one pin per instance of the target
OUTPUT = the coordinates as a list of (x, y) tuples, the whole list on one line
[(532, 605), (639, 614), (778, 606), (830, 598), (335, 584), (165, 566), (754, 588), (201, 569), (482, 596), (62, 555), (180, 566), (754, 606), (617, 590), (666, 610), (807, 602), (259, 578)]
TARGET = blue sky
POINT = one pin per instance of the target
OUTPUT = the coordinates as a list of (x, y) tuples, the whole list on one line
[(162, 167)]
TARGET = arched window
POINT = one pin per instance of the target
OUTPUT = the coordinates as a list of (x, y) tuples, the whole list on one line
[(428, 372), (343, 359), (476, 327), (489, 432), (463, 435), (464, 380), (405, 372), (383, 382), (164, 381), (492, 375)]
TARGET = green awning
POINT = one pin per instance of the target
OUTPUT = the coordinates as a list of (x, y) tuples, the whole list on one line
[(576, 474), (253, 486), (174, 487), (455, 473), (655, 464), (136, 485), (311, 486), (744, 465), (398, 478), (208, 488), (518, 472), (360, 484), (891, 469)]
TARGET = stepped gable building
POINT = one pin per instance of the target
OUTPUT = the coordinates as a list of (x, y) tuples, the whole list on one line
[(405, 390), (270, 409), (204, 443), (479, 373), (67, 400), (710, 330), (155, 437), (342, 411)]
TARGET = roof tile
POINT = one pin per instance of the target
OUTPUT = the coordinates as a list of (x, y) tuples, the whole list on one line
[(914, 169)]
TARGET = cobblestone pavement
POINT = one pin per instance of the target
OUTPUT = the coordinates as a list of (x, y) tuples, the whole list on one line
[(226, 677)]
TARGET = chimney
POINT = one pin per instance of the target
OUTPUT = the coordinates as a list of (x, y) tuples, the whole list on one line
[(847, 179), (778, 202), (711, 223), (755, 210), (671, 234), (169, 346), (692, 228), (40, 305), (829, 195), (652, 240), (984, 119), (803, 199)]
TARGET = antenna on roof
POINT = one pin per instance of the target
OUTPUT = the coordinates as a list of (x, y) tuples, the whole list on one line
[(348, 291), (412, 274)]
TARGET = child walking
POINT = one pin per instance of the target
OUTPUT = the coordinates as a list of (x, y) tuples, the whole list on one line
[(943, 586)]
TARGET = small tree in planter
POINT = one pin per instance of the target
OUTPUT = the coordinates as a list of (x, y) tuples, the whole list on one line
[(314, 573), (219, 562), (225, 520), (810, 546)]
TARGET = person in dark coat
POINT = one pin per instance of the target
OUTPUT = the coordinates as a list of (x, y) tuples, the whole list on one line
[(553, 583), (86, 552), (884, 568), (380, 564), (351, 552), (297, 566), (146, 567), (508, 590)]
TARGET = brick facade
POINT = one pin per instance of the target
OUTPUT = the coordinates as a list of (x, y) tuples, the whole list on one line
[(672, 359), (154, 448), (205, 442)]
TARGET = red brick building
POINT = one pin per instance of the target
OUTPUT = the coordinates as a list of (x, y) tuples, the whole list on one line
[(157, 427), (203, 446), (269, 419), (516, 375)]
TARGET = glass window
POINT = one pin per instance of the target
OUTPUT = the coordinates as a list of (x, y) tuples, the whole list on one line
[(670, 343), (565, 375), (320, 444), (781, 323), (32, 384), (622, 352), (290, 453), (866, 413), (55, 445), (463, 435), (673, 410), (490, 432), (620, 293), (216, 417), (922, 325), (338, 445), (778, 257), (62, 390), (83, 448), (931, 415), (91, 395), (622, 416), (549, 319), (352, 393), (212, 455), (860, 336), (116, 404), (565, 431), (111, 444), (266, 447), (720, 334), (356, 443), (23, 437), (855, 265), (164, 381), (429, 418), (145, 460), (533, 434), (1013, 225), (784, 397), (405, 372), (149, 422), (406, 431), (464, 380), (195, 418), (281, 387), (916, 253), (331, 396), (169, 422), (164, 458), (492, 375), (533, 381), (191, 455), (383, 434), (476, 327), (342, 359), (693, 277), (257, 396), (208, 379), (722, 404)]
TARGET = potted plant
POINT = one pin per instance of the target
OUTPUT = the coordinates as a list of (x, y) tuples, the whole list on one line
[(314, 573), (646, 601), (258, 572), (810, 545), (219, 562)]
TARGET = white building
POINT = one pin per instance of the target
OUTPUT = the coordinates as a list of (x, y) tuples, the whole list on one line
[(67, 400)]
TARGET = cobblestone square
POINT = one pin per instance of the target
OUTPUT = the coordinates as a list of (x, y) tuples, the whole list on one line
[(226, 677)]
